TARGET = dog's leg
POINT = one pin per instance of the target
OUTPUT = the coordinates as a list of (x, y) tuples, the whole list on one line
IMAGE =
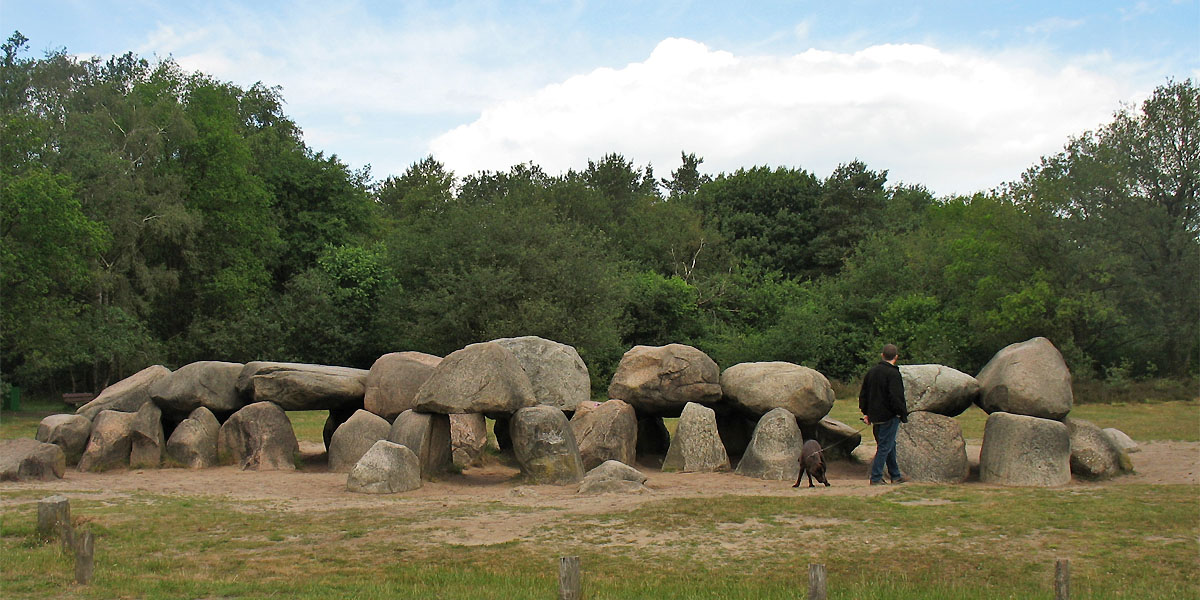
[(800, 476)]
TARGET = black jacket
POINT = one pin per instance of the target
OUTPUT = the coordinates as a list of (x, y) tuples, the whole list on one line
[(882, 394)]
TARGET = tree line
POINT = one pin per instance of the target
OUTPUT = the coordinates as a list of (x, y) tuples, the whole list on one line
[(153, 215)]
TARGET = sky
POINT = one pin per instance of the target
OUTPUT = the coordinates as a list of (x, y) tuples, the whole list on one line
[(956, 96)]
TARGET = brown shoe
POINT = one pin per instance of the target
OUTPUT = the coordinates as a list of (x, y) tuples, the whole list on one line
[(880, 482), (901, 479)]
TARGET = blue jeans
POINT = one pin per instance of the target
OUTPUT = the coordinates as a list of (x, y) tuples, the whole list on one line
[(885, 450)]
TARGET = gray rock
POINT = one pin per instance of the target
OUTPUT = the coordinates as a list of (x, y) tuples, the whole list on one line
[(758, 388), (25, 459), (110, 443), (930, 448), (1094, 454), (607, 431), (258, 437), (1025, 451), (354, 437), (193, 444), (295, 386), (774, 451), (468, 437), (938, 389), (613, 477), (696, 446), (126, 395), (838, 440), (69, 432), (558, 375), (147, 440), (545, 446), (209, 383), (393, 381), (386, 468), (660, 380), (1123, 441), (1029, 378), (428, 436), (481, 378), (336, 417)]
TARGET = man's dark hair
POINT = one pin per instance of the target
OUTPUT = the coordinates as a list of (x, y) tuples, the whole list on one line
[(889, 351)]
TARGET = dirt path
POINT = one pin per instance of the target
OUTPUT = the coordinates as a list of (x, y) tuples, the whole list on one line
[(314, 488)]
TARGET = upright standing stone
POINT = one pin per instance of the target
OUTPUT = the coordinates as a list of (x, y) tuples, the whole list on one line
[(661, 380), (468, 437), (428, 436), (696, 446), (774, 449), (557, 373), (126, 395), (606, 432), (545, 446), (110, 443), (258, 437), (354, 437), (393, 382), (930, 448), (69, 432), (1029, 378), (193, 444), (1025, 451), (146, 437)]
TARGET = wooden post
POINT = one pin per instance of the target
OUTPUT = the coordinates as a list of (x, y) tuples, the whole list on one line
[(53, 512), (1062, 579), (570, 584), (816, 582), (84, 558)]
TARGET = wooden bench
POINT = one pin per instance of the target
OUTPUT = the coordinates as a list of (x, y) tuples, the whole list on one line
[(78, 399)]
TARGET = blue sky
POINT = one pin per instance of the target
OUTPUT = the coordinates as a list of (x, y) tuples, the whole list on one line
[(958, 96)]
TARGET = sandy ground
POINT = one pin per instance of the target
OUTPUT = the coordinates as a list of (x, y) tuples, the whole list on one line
[(315, 488)]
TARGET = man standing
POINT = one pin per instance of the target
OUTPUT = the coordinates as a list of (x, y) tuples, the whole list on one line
[(881, 401)]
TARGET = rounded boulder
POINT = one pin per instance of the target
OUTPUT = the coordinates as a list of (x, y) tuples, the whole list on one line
[(393, 381), (938, 389), (774, 449), (661, 380), (482, 378), (930, 448), (545, 446), (1020, 450), (1029, 378), (761, 387), (69, 432)]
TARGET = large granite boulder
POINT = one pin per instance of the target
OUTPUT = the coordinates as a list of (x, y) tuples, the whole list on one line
[(147, 439), (258, 437), (613, 477), (428, 436), (25, 459), (545, 446), (757, 388), (393, 381), (482, 378), (193, 444), (774, 451), (1025, 451), (605, 431), (938, 389), (126, 395), (386, 468), (838, 440), (69, 432), (1095, 454), (110, 442), (294, 386), (354, 437), (1029, 378), (468, 437), (209, 383), (557, 373), (696, 446), (660, 380), (930, 448)]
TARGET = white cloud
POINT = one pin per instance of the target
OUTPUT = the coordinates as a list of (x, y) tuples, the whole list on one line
[(955, 122)]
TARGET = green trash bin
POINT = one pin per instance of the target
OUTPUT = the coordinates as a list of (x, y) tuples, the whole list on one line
[(13, 401)]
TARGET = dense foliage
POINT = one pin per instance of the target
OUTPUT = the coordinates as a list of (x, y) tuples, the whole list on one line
[(152, 215)]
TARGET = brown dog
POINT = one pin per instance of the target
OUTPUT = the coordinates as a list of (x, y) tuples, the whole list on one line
[(813, 463)]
